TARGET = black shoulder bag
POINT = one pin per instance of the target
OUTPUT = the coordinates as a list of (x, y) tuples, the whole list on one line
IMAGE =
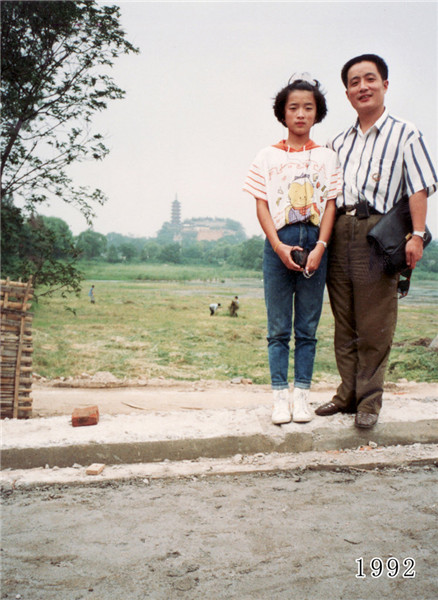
[(389, 237)]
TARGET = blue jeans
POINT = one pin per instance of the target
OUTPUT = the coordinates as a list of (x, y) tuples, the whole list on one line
[(287, 291)]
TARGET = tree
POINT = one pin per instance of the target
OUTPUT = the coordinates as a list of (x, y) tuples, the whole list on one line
[(91, 245), (64, 242), (41, 247), (166, 234), (112, 255), (150, 251), (192, 253), (55, 62), (12, 222), (249, 254), (170, 253), (128, 251)]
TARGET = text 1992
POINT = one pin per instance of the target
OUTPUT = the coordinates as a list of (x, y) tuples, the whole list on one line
[(393, 568)]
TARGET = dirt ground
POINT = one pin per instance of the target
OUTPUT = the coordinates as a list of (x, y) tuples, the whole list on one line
[(280, 536), (113, 396), (292, 534)]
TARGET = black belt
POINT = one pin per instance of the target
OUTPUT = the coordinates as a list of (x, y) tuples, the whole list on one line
[(348, 208)]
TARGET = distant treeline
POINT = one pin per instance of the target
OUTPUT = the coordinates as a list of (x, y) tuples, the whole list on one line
[(228, 251), (45, 248), (248, 254), (117, 248)]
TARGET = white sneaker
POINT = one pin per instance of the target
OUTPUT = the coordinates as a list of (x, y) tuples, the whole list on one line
[(302, 412), (281, 411)]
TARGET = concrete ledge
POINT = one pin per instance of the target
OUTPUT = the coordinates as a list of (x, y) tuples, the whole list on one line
[(280, 440), (383, 434)]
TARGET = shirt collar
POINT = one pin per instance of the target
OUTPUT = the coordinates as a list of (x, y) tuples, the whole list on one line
[(310, 145), (378, 124)]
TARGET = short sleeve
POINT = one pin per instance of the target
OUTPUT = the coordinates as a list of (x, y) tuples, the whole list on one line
[(420, 173), (255, 182)]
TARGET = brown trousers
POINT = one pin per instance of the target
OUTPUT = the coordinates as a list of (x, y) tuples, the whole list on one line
[(364, 304)]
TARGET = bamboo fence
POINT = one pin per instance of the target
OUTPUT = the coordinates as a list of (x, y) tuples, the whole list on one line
[(16, 349)]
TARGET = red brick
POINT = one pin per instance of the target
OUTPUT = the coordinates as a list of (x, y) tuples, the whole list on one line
[(95, 469), (85, 416)]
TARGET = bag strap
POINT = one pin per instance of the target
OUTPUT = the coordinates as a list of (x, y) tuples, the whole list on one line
[(403, 284)]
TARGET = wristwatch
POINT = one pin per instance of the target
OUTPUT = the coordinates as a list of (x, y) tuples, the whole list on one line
[(421, 234)]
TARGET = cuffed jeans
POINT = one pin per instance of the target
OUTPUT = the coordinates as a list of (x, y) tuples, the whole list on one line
[(288, 292), (364, 305)]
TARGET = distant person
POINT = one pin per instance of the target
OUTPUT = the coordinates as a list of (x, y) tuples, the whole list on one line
[(383, 158), (234, 306), (214, 308), (295, 184), (91, 295)]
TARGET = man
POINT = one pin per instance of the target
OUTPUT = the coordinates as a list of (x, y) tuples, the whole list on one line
[(91, 295), (214, 308), (234, 307), (383, 158)]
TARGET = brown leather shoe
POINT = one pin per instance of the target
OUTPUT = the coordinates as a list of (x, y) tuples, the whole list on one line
[(329, 408), (365, 420)]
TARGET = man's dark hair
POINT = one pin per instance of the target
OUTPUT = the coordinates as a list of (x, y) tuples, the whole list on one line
[(381, 65), (300, 84)]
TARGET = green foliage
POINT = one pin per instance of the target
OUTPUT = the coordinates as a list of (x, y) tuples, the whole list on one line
[(12, 228), (117, 239), (91, 245), (39, 247), (150, 251), (63, 237), (55, 58), (166, 234), (429, 262), (249, 254), (170, 253), (128, 251)]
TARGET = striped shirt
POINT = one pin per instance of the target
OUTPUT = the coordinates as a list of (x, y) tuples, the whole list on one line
[(295, 184), (387, 162)]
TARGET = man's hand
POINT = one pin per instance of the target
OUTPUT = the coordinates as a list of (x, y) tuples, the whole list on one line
[(414, 251), (418, 208)]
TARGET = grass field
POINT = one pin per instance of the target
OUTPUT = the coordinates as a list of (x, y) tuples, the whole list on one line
[(102, 271), (163, 328)]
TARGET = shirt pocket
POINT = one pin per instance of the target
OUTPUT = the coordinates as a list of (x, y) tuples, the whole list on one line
[(380, 174)]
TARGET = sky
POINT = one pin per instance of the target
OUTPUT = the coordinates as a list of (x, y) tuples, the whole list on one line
[(198, 104)]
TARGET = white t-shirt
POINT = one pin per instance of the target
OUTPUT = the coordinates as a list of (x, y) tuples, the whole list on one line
[(296, 184)]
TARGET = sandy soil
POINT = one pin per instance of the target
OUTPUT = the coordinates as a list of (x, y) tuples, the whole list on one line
[(190, 532), (113, 396), (283, 536)]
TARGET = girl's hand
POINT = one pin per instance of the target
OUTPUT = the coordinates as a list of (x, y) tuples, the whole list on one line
[(314, 258), (283, 252)]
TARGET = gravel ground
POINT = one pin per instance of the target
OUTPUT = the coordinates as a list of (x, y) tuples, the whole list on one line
[(295, 534)]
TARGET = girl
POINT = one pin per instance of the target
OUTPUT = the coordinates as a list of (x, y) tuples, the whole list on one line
[(295, 184)]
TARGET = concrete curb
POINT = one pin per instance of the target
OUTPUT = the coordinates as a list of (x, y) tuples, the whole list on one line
[(355, 461), (263, 439)]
